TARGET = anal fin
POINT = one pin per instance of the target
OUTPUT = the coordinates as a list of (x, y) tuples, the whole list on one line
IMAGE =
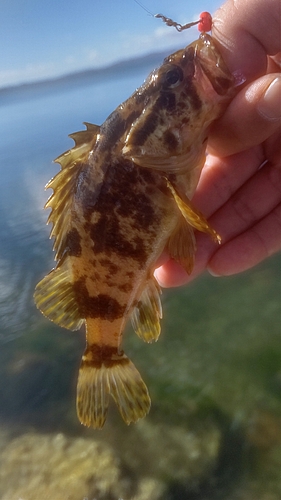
[(116, 377), (194, 217), (145, 316), (55, 298)]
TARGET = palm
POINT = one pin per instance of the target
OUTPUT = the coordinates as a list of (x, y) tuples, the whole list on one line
[(240, 186)]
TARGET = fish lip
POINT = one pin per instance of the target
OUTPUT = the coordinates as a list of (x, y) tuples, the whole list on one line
[(208, 58)]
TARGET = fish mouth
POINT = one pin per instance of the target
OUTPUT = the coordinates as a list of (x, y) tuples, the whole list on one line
[(208, 57)]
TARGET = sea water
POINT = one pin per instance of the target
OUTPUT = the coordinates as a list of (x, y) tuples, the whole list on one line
[(214, 375)]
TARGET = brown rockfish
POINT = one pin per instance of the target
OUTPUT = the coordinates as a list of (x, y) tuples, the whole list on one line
[(121, 198)]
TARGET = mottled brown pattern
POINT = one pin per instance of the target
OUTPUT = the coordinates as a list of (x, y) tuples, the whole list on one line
[(166, 101), (171, 141), (108, 238), (130, 274), (120, 199), (109, 265), (126, 287), (194, 99), (88, 194), (148, 128), (94, 276), (73, 243), (188, 63), (220, 84), (126, 218), (114, 128), (96, 355), (108, 280), (100, 306)]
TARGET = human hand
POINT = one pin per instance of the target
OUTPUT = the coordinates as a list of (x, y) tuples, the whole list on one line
[(240, 187)]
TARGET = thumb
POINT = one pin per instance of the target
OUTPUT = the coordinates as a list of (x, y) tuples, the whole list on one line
[(252, 116)]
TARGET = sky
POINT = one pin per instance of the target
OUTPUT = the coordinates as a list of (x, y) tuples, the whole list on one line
[(42, 39)]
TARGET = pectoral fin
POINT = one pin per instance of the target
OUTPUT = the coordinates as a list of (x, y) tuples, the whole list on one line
[(181, 245), (195, 218), (145, 316), (54, 296)]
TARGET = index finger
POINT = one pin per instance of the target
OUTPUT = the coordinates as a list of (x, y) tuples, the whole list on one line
[(248, 31)]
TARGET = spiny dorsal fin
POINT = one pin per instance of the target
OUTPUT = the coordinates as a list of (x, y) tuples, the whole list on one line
[(86, 136), (181, 245), (55, 298), (145, 316), (195, 218), (117, 377), (64, 184), (84, 142)]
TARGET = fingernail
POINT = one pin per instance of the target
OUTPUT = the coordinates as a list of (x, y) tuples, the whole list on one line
[(213, 273), (269, 105)]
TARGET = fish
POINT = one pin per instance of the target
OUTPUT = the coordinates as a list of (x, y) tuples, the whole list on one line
[(122, 198)]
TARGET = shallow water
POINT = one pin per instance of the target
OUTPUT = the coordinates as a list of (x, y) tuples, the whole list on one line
[(214, 430)]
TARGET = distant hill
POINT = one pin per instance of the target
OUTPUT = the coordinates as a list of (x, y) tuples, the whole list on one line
[(86, 77)]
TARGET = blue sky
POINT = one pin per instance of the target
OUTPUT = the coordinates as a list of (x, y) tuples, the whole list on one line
[(46, 38)]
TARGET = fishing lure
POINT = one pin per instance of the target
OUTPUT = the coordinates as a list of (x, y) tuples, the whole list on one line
[(204, 22)]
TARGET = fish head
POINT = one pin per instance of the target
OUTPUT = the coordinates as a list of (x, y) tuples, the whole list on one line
[(179, 102)]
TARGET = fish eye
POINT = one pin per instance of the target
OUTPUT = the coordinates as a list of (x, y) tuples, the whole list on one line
[(173, 77)]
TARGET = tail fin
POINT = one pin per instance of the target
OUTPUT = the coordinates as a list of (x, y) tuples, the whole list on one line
[(117, 377)]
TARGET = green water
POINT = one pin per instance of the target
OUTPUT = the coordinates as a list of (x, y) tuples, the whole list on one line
[(214, 430)]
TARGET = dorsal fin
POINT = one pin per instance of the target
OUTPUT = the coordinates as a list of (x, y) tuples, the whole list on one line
[(85, 136), (64, 183)]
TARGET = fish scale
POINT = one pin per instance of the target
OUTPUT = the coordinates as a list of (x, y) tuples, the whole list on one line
[(121, 198)]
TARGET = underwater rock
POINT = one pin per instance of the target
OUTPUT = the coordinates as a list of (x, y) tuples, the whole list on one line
[(263, 429), (173, 453), (58, 468)]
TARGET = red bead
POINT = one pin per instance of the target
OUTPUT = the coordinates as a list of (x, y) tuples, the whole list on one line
[(205, 23)]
